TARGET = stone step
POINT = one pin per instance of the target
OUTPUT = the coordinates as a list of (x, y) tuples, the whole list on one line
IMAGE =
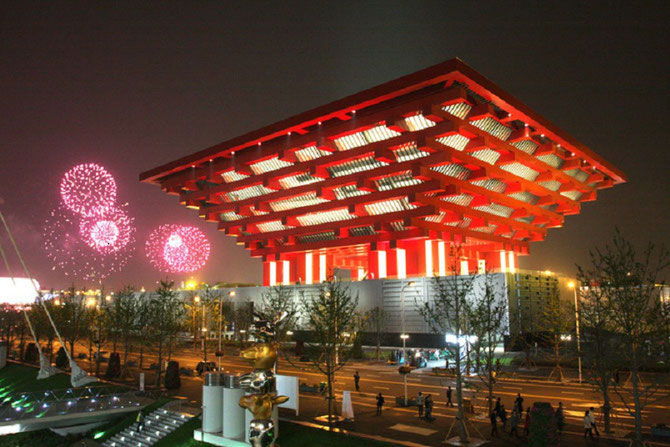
[(157, 425)]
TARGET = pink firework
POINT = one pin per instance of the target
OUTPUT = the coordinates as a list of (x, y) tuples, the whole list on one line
[(75, 258), (108, 231), (88, 189), (177, 248)]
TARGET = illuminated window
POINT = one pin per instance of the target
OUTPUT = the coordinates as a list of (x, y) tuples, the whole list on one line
[(381, 263), (401, 261), (429, 258), (273, 273), (442, 258), (308, 268)]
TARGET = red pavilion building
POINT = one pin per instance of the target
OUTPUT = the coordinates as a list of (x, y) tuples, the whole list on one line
[(383, 182)]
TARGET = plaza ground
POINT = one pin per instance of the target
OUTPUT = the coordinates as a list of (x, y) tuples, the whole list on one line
[(400, 424)]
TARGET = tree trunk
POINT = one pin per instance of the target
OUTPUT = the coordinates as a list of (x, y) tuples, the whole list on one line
[(606, 410), (636, 399), (141, 356), (490, 387), (97, 360), (125, 351), (330, 393), (22, 343), (160, 360), (459, 395)]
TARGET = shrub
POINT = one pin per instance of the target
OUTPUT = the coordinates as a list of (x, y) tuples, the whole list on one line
[(61, 358), (114, 366), (172, 379)]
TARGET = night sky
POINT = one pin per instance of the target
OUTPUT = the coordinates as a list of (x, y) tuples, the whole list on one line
[(134, 87)]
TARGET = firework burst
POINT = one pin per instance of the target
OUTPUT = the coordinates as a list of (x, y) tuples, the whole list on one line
[(71, 255), (88, 189), (108, 231), (177, 248)]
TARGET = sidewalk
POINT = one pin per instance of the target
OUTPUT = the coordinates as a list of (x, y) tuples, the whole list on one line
[(401, 426)]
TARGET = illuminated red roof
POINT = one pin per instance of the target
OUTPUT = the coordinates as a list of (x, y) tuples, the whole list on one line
[(439, 155)]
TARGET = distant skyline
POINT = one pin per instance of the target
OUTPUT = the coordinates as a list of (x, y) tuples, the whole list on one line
[(133, 88)]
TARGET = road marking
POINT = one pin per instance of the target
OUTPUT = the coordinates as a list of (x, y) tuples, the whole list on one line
[(381, 387), (413, 429)]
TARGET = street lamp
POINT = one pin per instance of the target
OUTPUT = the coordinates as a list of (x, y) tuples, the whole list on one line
[(573, 286), (404, 335)]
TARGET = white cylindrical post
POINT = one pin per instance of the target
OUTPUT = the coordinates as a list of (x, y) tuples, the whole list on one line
[(233, 415), (212, 403)]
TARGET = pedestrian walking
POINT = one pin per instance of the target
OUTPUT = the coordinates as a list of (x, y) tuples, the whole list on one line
[(449, 403), (140, 421), (514, 423), (496, 409), (560, 418), (494, 425), (587, 425), (419, 403), (357, 378), (592, 417), (503, 417), (518, 403), (526, 425), (429, 408), (380, 404)]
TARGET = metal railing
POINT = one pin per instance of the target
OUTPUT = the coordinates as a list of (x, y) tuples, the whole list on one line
[(21, 406)]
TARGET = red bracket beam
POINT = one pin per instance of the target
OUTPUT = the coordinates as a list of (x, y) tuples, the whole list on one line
[(432, 185)]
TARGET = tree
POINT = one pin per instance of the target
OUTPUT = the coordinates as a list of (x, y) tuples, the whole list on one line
[(447, 313), (41, 324), (557, 320), (99, 318), (376, 319), (599, 345), (210, 314), (143, 323), (332, 319), (193, 310), (276, 301), (167, 314), (124, 311), (241, 317), (487, 323), (72, 317), (629, 283)]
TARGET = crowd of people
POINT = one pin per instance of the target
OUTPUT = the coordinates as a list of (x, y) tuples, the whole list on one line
[(518, 418)]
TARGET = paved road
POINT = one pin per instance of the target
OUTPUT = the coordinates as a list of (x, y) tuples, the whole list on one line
[(376, 378)]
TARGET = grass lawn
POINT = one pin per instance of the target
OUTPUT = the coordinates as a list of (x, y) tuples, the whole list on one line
[(16, 378), (290, 435), (41, 438)]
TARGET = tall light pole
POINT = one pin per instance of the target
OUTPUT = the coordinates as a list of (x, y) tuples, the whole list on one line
[(196, 301), (573, 286), (230, 294), (404, 335)]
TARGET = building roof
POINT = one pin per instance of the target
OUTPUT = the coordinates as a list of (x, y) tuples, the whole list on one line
[(441, 153)]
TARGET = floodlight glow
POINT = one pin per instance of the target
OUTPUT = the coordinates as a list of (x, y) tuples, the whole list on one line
[(17, 292)]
